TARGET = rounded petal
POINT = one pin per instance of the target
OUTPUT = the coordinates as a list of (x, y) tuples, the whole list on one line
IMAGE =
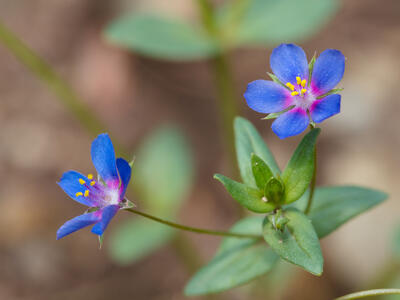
[(69, 182), (108, 213), (77, 223), (103, 157), (267, 96), (325, 108), (328, 71), (289, 61), (291, 123), (124, 170)]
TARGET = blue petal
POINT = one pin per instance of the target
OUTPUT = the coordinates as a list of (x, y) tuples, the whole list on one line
[(267, 97), (328, 71), (124, 170), (108, 213), (77, 223), (69, 182), (103, 157), (288, 61), (324, 108), (290, 123)]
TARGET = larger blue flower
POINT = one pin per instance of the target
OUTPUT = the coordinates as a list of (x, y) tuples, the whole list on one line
[(104, 196), (293, 90)]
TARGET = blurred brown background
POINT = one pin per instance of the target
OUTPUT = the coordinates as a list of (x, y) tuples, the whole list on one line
[(133, 95)]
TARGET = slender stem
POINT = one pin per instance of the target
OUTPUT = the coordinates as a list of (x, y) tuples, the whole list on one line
[(369, 293), (226, 99), (194, 229), (312, 185), (45, 72)]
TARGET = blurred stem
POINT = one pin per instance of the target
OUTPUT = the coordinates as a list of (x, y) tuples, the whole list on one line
[(194, 229), (72, 102), (226, 99), (312, 184), (370, 293), (45, 72)]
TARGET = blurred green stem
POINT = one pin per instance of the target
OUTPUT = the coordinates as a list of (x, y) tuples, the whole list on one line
[(370, 293), (74, 104), (312, 184), (226, 99), (194, 229)]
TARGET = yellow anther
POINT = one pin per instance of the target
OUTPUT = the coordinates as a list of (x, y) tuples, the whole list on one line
[(92, 183), (86, 193), (79, 194), (303, 83), (295, 93), (90, 176), (81, 181), (290, 86), (303, 91), (298, 79)]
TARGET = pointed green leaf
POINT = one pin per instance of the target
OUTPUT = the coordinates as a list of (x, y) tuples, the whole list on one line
[(248, 197), (237, 262), (160, 37), (298, 243), (261, 171), (335, 205), (299, 171), (248, 141), (274, 190)]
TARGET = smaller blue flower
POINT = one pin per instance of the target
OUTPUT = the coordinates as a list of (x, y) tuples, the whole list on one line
[(300, 94), (104, 196)]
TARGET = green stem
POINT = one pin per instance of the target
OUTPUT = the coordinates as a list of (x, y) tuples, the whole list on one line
[(312, 185), (194, 229), (370, 293), (45, 72), (227, 103)]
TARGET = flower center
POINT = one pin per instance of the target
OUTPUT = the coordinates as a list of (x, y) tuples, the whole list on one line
[(299, 88), (302, 98)]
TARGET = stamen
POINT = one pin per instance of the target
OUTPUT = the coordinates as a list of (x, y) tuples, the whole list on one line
[(90, 176), (303, 91), (298, 79), (303, 83), (81, 181), (295, 93), (86, 193), (92, 183), (78, 194), (290, 86)]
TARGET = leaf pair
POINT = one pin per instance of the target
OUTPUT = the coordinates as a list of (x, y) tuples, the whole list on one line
[(239, 261), (264, 188)]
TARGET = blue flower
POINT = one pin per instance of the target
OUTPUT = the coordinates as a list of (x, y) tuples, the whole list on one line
[(298, 93), (104, 196)]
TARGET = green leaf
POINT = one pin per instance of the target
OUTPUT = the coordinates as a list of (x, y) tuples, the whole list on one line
[(299, 171), (249, 141), (268, 22), (163, 171), (334, 206), (334, 91), (247, 196), (261, 171), (298, 243), (237, 262), (159, 37), (137, 238), (274, 190), (162, 177)]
